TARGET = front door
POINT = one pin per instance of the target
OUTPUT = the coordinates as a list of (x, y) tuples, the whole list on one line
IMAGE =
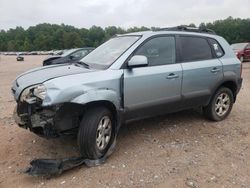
[(156, 88)]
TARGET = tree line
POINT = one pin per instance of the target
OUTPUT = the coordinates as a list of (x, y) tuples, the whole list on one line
[(52, 36)]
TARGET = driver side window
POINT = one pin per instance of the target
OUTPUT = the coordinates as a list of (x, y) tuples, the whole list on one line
[(159, 51)]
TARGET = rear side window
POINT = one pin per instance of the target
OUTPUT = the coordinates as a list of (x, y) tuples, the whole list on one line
[(159, 51), (216, 47), (195, 49)]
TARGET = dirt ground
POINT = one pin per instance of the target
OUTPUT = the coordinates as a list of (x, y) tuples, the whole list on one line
[(175, 150)]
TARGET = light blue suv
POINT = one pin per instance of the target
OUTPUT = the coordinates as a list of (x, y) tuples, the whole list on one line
[(129, 77)]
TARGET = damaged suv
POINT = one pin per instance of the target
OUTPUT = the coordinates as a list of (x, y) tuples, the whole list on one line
[(129, 77)]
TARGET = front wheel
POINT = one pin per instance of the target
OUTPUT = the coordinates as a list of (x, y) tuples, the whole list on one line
[(220, 105), (96, 133)]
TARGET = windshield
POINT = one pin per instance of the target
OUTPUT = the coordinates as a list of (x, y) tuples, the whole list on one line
[(106, 54), (68, 52), (239, 46)]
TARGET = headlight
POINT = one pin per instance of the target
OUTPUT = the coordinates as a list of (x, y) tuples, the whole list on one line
[(32, 92), (40, 91), (26, 94)]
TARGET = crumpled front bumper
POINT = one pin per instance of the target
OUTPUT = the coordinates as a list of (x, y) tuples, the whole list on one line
[(27, 118), (18, 119), (49, 121)]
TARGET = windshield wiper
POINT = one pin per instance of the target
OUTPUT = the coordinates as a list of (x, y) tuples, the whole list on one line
[(84, 64)]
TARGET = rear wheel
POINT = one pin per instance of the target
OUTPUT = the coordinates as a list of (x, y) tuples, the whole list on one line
[(96, 133), (220, 105)]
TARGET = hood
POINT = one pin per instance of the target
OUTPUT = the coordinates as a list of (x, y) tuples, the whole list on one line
[(52, 57), (48, 60), (42, 74)]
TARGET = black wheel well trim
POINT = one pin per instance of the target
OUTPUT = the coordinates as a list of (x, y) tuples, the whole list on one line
[(79, 110), (104, 103), (230, 84), (110, 106)]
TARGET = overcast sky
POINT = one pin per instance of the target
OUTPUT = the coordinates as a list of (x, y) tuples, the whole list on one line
[(124, 13)]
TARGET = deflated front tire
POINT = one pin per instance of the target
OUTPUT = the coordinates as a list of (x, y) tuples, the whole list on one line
[(96, 133)]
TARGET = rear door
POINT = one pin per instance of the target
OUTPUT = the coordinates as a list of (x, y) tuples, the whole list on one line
[(156, 88), (202, 70)]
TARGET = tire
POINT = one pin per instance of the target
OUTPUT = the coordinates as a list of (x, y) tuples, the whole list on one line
[(93, 139), (220, 105)]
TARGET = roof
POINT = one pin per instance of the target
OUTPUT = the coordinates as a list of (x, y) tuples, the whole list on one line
[(176, 30), (152, 33)]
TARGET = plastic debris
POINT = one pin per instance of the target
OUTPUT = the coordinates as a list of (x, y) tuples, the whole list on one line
[(53, 167)]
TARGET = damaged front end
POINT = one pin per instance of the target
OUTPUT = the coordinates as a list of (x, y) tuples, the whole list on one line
[(37, 119), (47, 121)]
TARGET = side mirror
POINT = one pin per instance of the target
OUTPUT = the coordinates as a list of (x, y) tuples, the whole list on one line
[(138, 61)]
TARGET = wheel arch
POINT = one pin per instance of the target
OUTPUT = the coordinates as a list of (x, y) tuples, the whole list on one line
[(104, 103), (69, 115), (230, 84)]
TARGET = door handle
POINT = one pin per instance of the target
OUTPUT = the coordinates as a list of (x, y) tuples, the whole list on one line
[(172, 76), (215, 70)]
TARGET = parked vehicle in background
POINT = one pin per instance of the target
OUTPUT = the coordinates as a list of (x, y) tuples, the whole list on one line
[(19, 58), (129, 77), (69, 56), (242, 51)]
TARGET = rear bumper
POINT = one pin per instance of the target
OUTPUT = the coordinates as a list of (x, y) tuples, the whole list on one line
[(240, 80)]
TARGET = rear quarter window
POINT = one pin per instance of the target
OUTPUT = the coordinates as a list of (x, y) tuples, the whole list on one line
[(219, 52), (195, 49)]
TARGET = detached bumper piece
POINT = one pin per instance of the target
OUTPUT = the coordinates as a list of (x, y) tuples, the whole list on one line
[(54, 167), (50, 167)]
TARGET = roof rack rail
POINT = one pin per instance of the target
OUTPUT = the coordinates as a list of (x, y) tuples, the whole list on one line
[(188, 29)]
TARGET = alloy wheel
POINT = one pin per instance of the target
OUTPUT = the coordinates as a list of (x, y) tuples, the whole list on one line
[(222, 104), (103, 133)]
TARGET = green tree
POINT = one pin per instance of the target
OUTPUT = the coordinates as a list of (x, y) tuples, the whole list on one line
[(52, 36), (11, 45), (96, 36)]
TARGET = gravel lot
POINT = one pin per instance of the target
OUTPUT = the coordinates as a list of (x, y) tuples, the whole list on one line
[(175, 150)]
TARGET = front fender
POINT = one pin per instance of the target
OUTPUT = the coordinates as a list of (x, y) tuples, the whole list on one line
[(98, 95)]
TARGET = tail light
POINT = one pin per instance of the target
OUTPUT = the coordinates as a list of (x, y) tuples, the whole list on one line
[(241, 64)]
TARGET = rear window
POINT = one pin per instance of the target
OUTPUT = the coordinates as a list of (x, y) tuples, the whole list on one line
[(216, 47), (195, 49)]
